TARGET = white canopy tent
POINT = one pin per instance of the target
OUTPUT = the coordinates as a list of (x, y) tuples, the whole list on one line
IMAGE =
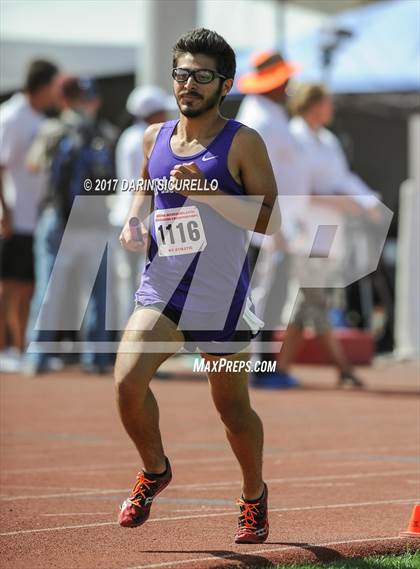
[(105, 38)]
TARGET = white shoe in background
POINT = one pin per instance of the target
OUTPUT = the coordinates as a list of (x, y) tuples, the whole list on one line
[(10, 360)]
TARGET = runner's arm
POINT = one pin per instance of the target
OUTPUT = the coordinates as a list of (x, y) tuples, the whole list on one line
[(258, 180), (258, 210), (142, 202)]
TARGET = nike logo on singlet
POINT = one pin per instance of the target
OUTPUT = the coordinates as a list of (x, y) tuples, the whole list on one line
[(205, 158)]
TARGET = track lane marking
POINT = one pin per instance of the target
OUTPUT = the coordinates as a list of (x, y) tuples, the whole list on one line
[(256, 552), (205, 487), (322, 484), (269, 454), (99, 467), (75, 488), (207, 515), (77, 514)]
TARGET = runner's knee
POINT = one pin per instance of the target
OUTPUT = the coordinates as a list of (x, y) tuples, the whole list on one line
[(132, 376), (235, 417)]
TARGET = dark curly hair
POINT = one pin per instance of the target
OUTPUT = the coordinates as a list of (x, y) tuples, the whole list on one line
[(208, 43)]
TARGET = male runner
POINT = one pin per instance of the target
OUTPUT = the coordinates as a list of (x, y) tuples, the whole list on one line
[(196, 237)]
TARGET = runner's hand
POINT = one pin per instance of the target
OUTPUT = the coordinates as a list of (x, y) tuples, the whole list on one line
[(127, 242), (188, 171)]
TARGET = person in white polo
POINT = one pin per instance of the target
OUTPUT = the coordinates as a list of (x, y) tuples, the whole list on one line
[(329, 173), (20, 194)]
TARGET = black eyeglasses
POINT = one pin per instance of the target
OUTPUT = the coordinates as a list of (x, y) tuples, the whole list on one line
[(182, 75)]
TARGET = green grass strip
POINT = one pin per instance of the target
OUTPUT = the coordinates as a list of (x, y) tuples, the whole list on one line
[(405, 561)]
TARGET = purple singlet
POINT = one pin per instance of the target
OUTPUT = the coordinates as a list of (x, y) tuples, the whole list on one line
[(197, 259)]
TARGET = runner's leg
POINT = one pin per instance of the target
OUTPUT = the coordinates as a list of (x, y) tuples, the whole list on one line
[(244, 428), (133, 372)]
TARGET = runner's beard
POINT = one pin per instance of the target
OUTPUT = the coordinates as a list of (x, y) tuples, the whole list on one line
[(208, 104)]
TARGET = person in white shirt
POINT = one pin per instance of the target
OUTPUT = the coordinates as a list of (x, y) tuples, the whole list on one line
[(148, 105), (20, 194), (264, 109), (329, 175), (76, 145)]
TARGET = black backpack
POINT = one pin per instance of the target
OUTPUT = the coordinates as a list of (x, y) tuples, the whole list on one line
[(82, 153)]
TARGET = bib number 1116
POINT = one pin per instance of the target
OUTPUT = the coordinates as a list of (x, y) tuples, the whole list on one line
[(191, 228), (179, 231)]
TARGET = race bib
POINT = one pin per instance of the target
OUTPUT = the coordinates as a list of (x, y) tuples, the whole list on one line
[(179, 231)]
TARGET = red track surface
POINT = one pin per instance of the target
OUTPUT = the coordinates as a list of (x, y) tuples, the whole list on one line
[(341, 467)]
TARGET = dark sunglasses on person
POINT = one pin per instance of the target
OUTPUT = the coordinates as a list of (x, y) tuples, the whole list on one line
[(181, 75)]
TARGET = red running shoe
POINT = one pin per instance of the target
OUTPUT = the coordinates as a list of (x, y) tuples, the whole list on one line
[(253, 520), (135, 510)]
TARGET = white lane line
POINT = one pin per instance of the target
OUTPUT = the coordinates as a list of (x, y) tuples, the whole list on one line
[(207, 515), (269, 455), (45, 530), (76, 489), (322, 484), (254, 552), (105, 467), (64, 495), (307, 478), (210, 485), (213, 509), (77, 514), (183, 511)]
